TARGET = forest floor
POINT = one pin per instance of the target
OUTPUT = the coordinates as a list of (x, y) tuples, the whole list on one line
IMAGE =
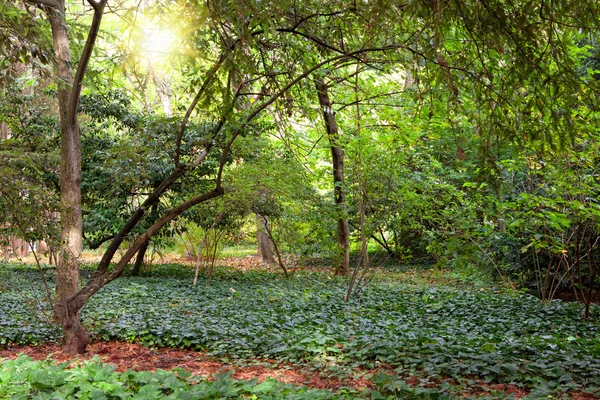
[(137, 356), (132, 356), (125, 356)]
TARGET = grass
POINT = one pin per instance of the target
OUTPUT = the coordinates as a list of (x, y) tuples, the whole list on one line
[(238, 251)]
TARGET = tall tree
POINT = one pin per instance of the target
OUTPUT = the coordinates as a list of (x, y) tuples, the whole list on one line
[(69, 91), (337, 159)]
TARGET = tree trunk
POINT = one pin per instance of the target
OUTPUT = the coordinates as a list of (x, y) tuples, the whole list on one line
[(337, 157), (139, 260), (25, 248), (69, 91), (164, 92), (15, 244), (4, 134), (67, 270), (265, 248)]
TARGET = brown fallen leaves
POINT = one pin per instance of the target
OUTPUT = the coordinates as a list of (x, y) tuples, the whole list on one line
[(125, 356)]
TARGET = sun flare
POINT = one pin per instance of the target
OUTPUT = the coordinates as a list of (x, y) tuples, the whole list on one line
[(157, 42)]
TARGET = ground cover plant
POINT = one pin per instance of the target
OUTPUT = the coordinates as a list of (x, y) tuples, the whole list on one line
[(23, 378), (437, 333)]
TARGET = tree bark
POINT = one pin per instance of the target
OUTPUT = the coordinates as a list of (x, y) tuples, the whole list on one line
[(100, 280), (139, 259), (104, 276), (69, 91), (265, 247), (337, 157), (4, 134), (16, 246), (67, 270), (164, 92)]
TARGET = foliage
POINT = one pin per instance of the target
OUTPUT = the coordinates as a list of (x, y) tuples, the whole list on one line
[(24, 378), (272, 182), (432, 332), (557, 219), (23, 40), (127, 154), (469, 135), (23, 306), (28, 173)]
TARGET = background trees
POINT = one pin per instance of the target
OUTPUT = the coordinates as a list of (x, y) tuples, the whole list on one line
[(436, 118)]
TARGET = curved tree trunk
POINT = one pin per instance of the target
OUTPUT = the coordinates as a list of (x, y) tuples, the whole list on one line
[(103, 275), (337, 157), (67, 270)]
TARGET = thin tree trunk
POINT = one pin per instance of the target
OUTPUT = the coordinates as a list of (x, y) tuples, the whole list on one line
[(337, 157), (25, 248), (164, 92), (42, 247), (16, 246), (69, 91), (272, 240), (218, 219), (4, 134), (67, 270), (139, 260), (103, 276), (265, 247)]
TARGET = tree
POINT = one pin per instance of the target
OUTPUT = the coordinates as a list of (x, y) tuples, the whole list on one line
[(477, 54), (76, 337), (30, 162), (69, 90), (337, 158)]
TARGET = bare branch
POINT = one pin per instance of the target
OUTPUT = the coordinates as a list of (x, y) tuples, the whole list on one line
[(366, 99), (284, 90), (46, 3), (78, 300), (85, 59), (210, 75)]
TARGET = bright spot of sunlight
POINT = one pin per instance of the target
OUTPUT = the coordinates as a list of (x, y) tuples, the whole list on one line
[(157, 42)]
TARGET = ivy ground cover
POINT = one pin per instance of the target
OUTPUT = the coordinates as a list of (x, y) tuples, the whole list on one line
[(437, 333)]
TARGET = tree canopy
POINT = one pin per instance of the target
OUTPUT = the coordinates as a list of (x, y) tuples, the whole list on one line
[(460, 131)]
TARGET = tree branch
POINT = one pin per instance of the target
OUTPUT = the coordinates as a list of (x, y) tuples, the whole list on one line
[(284, 90), (207, 81), (46, 3), (85, 59), (78, 299)]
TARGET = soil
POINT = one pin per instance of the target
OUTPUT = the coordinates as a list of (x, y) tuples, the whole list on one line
[(126, 356), (569, 296)]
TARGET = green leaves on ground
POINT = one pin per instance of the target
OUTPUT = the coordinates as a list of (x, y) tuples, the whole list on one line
[(24, 378), (433, 332)]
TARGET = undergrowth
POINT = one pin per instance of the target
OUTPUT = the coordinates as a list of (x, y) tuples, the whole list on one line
[(439, 333), (24, 378)]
